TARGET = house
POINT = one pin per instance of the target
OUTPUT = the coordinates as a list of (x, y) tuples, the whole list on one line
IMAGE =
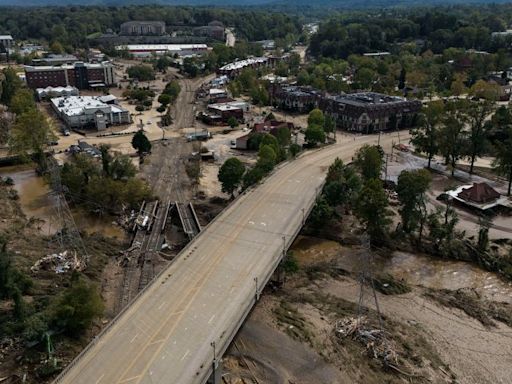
[(84, 147), (89, 112), (217, 93), (369, 112), (272, 126), (479, 196), (7, 42), (226, 111)]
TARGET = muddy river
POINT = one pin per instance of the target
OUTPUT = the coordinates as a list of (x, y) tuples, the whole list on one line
[(36, 201), (415, 269)]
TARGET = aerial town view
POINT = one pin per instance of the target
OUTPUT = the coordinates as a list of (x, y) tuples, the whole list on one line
[(255, 192)]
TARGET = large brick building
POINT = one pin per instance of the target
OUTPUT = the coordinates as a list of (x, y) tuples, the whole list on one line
[(369, 112), (143, 28), (295, 98), (80, 75)]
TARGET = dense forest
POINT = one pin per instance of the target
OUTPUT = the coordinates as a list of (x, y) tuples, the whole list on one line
[(71, 25), (435, 30)]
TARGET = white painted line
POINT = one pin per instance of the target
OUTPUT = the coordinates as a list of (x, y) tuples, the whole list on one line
[(185, 355), (211, 319), (161, 305), (134, 337), (101, 377)]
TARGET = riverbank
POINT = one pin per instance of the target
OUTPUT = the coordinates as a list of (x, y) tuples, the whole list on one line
[(434, 340)]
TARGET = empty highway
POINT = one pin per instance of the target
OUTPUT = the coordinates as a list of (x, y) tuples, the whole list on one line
[(166, 334)]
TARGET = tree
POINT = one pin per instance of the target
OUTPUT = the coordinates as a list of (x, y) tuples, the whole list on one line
[(232, 122), (372, 210), (141, 72), (283, 136), (411, 188), (166, 119), (122, 168), (77, 308), (56, 47), (139, 108), (402, 78), (453, 134), (230, 175), (485, 90), (10, 84), (425, 137), (457, 86), (30, 134), (342, 184), (314, 134), (267, 158), (141, 143), (164, 99), (22, 101), (369, 161), (329, 124), (477, 113), (316, 117), (294, 149), (502, 164)]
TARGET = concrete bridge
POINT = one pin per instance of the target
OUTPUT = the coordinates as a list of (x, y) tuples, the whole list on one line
[(177, 329)]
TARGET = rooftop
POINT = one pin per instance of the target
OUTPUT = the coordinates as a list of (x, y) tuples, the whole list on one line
[(243, 63), (77, 105), (367, 98), (161, 47), (6, 37)]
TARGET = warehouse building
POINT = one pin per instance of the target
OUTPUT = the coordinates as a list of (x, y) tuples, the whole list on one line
[(144, 50), (143, 28), (89, 112)]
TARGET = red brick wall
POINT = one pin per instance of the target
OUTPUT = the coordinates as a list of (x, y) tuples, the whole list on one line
[(45, 79)]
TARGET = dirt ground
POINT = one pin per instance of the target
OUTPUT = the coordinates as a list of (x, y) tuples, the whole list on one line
[(436, 343)]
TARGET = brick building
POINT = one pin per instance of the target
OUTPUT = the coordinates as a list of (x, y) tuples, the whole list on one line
[(80, 75), (143, 28), (369, 112), (295, 98)]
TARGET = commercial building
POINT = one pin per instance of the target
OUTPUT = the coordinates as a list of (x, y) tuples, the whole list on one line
[(51, 92), (143, 28), (89, 112), (80, 75), (234, 69), (162, 49), (295, 98), (479, 196), (214, 30), (6, 41), (369, 112), (54, 59)]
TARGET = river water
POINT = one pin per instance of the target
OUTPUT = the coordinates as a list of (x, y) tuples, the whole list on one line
[(420, 270), (36, 200)]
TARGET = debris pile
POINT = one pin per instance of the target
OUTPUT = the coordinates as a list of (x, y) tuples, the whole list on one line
[(59, 263), (377, 345)]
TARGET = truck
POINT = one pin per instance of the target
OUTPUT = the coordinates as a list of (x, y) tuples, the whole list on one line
[(199, 136)]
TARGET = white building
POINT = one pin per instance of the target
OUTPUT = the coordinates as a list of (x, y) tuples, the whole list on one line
[(7, 41), (89, 112), (162, 49), (51, 92)]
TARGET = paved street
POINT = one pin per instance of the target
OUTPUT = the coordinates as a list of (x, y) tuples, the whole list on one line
[(165, 336)]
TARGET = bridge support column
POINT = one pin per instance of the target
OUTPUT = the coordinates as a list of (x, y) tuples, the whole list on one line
[(216, 377)]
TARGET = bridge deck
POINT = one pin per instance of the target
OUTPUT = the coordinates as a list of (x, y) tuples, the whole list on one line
[(165, 335)]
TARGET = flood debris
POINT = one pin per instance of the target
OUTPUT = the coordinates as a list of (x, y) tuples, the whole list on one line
[(59, 263)]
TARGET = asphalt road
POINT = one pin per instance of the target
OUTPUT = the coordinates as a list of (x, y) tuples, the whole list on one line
[(165, 335)]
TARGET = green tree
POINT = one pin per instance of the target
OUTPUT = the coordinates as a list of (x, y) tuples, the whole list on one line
[(10, 84), (503, 161), (477, 113), (141, 72), (342, 184), (122, 168), (329, 124), (425, 137), (56, 47), (372, 210), (76, 309), (252, 176), (267, 158), (411, 189), (164, 99), (453, 135), (314, 134), (141, 143), (232, 122), (22, 101), (316, 117), (369, 160), (30, 134), (230, 175)]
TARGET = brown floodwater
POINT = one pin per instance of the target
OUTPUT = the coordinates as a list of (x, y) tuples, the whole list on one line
[(416, 269), (36, 201)]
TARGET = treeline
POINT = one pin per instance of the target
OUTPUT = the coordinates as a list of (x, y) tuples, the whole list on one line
[(71, 25), (435, 30)]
